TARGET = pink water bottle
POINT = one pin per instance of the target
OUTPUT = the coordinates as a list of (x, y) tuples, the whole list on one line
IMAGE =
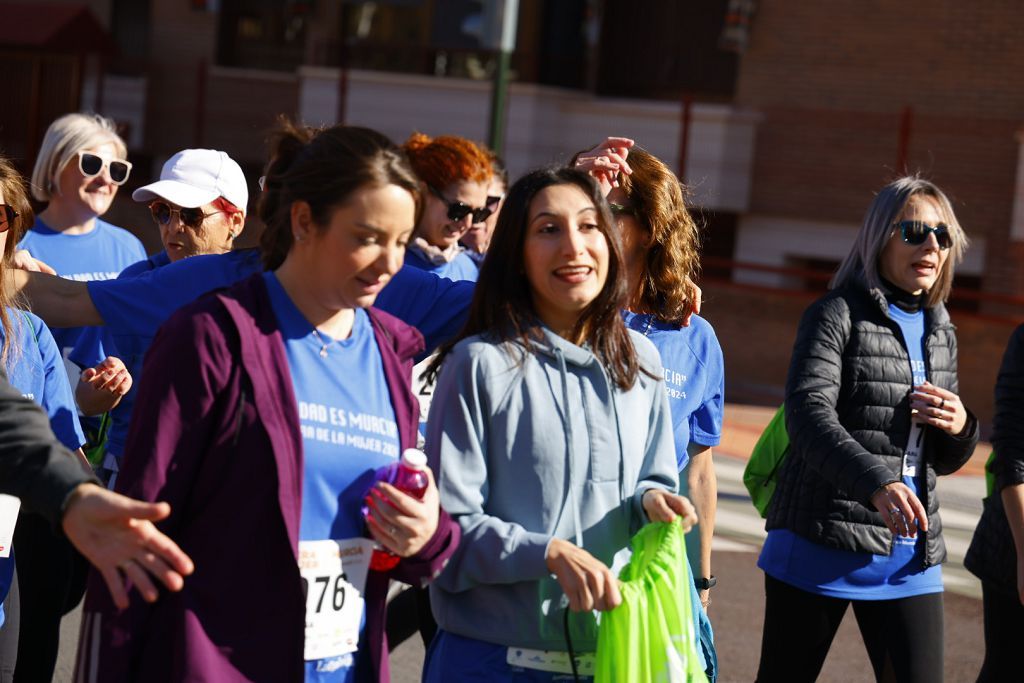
[(408, 475)]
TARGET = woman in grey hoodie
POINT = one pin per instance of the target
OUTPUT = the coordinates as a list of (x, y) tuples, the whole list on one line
[(551, 437)]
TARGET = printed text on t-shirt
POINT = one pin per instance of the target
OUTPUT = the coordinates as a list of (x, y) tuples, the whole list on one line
[(329, 424)]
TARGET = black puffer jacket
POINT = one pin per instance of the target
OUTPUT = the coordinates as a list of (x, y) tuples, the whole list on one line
[(992, 556), (848, 418)]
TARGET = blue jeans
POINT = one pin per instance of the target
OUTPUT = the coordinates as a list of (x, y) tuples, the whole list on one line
[(455, 659)]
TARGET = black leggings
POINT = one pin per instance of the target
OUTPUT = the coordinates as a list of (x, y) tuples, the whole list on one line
[(903, 637), (9, 633), (1004, 635), (51, 582)]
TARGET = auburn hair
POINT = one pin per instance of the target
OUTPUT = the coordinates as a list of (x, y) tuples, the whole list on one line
[(447, 159)]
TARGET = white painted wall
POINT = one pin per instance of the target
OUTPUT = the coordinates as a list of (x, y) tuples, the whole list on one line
[(771, 241), (545, 124)]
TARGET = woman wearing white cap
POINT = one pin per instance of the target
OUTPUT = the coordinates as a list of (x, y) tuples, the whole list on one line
[(199, 206), (198, 203)]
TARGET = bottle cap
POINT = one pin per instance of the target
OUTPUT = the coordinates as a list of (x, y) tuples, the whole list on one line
[(414, 458)]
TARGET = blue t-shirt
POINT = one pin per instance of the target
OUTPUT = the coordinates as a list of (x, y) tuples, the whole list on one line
[(863, 576), (462, 267), (694, 378), (99, 254), (94, 345), (34, 367), (348, 432), (134, 308)]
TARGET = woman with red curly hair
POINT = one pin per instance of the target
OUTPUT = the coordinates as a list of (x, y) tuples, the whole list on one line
[(454, 173)]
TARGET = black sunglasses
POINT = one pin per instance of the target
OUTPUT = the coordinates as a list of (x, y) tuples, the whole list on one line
[(191, 218), (7, 216), (459, 210), (91, 165), (915, 233)]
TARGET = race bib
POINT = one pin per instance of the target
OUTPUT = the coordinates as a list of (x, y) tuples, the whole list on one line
[(334, 579), (9, 506), (912, 454), (551, 661)]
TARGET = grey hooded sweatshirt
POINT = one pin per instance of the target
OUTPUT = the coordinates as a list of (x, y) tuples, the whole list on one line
[(527, 447)]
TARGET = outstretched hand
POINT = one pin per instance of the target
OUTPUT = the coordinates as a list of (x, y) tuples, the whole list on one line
[(116, 534), (23, 260)]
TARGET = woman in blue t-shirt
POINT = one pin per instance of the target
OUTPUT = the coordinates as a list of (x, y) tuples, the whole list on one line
[(52, 572), (454, 174), (873, 417), (263, 413), (660, 244), (81, 165)]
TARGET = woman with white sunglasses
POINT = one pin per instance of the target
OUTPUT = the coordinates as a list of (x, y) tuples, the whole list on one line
[(81, 165)]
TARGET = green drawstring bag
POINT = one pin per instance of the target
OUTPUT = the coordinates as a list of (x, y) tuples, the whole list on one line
[(650, 636), (990, 478), (770, 451)]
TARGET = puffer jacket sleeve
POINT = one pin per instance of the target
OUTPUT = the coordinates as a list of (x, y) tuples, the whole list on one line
[(812, 394), (948, 452), (1008, 426)]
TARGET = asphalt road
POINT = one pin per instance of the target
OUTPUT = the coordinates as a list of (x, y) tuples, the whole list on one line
[(738, 600)]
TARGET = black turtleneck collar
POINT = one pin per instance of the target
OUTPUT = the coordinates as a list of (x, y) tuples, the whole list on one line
[(902, 299)]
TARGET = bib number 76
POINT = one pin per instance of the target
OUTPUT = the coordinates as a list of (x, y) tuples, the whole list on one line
[(333, 581)]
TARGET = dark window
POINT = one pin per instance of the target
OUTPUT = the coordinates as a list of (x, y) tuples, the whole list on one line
[(263, 34), (662, 49)]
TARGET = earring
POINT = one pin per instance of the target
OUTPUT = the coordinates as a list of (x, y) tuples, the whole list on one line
[(297, 237)]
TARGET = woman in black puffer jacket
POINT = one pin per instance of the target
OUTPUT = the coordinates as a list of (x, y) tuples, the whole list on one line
[(873, 417), (998, 544)]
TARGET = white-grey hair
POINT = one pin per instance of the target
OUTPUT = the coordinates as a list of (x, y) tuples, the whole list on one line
[(63, 140), (885, 210)]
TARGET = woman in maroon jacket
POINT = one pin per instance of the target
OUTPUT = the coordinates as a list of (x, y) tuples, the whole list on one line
[(263, 413)]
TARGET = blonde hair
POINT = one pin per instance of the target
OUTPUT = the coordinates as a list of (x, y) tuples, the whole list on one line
[(63, 140), (874, 234)]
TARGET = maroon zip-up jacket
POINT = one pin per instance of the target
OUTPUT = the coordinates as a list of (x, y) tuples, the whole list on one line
[(216, 434)]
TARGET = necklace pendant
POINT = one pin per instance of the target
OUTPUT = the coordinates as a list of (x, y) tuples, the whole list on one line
[(323, 352)]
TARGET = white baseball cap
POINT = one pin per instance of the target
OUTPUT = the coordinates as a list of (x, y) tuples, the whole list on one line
[(194, 177)]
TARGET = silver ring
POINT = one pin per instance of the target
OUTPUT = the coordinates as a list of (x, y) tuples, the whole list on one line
[(393, 530), (894, 511)]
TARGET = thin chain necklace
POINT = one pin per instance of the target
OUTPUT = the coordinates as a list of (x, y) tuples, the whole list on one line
[(323, 345)]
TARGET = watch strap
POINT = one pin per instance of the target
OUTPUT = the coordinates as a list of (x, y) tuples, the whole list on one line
[(704, 584)]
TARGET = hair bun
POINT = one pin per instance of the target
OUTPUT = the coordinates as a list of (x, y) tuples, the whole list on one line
[(417, 142)]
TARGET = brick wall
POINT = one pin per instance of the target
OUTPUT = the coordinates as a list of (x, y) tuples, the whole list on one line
[(832, 80), (757, 327)]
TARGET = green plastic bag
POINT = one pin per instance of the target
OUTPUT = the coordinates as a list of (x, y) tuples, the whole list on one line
[(759, 476), (990, 479), (650, 636)]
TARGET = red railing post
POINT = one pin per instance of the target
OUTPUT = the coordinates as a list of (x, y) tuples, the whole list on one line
[(684, 133), (201, 76), (903, 141)]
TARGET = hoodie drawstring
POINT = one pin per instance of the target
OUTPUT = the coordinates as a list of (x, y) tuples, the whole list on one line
[(567, 424)]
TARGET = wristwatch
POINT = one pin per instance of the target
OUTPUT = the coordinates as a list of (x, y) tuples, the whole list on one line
[(706, 584)]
